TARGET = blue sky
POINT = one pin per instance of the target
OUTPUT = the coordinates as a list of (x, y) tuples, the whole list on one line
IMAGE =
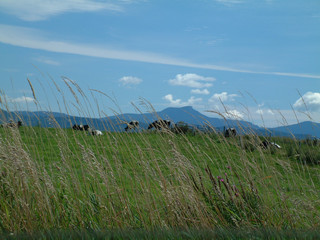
[(247, 59)]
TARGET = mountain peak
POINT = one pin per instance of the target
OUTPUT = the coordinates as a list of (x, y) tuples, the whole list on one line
[(187, 109), (185, 114)]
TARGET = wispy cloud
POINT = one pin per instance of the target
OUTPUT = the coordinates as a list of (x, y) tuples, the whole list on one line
[(191, 80), (30, 38), (37, 10), (47, 61)]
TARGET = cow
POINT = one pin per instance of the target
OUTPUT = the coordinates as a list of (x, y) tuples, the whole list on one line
[(266, 144), (77, 127), (230, 132), (80, 127), (94, 132), (131, 125), (159, 124), (86, 127)]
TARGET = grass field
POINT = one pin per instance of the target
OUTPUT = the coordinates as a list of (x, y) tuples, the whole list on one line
[(61, 179), (60, 183)]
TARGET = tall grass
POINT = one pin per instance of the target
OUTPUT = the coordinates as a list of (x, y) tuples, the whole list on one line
[(56, 178)]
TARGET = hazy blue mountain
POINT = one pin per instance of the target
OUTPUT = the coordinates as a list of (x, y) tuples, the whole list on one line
[(305, 128), (187, 115), (184, 114)]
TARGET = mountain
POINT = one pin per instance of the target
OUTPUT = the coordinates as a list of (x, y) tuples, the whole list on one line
[(309, 128), (185, 114), (117, 123)]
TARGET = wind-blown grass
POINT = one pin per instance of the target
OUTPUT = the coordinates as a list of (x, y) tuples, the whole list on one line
[(55, 178)]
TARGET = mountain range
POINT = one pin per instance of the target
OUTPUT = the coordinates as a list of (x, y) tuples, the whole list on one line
[(187, 115)]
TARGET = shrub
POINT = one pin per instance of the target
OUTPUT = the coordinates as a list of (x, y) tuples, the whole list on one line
[(182, 127)]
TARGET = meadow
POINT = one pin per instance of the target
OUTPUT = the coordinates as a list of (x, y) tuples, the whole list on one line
[(57, 182), (54, 178)]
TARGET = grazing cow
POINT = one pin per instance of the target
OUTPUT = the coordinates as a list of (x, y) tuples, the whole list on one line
[(132, 125), (80, 127), (159, 124), (94, 132), (266, 144), (230, 132), (77, 127)]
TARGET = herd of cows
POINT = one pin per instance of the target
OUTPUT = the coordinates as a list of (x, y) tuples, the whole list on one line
[(158, 124), (166, 124)]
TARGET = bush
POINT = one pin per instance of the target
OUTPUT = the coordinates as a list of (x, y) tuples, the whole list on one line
[(182, 127)]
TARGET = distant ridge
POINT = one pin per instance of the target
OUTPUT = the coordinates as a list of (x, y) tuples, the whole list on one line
[(183, 114), (304, 128)]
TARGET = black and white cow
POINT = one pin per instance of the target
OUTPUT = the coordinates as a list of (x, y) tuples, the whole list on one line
[(266, 144), (80, 127), (94, 132), (77, 127), (160, 124), (230, 132), (131, 125)]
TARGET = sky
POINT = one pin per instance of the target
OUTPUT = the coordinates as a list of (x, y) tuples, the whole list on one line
[(254, 60)]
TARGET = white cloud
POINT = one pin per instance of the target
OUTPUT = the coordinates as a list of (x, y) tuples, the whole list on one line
[(20, 99), (259, 111), (129, 80), (270, 112), (199, 91), (192, 101), (37, 10), (170, 99), (269, 118), (234, 114), (264, 111), (224, 97), (31, 38), (311, 100), (191, 80)]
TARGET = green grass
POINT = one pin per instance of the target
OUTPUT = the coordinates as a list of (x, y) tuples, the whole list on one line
[(64, 179), (230, 233), (58, 183)]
